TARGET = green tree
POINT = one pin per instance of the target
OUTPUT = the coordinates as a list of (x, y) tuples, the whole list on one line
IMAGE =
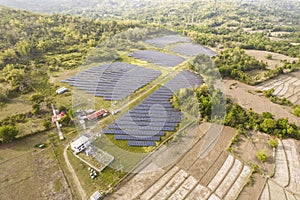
[(268, 125), (262, 155), (8, 133)]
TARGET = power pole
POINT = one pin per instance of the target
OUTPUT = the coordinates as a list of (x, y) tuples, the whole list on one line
[(60, 134)]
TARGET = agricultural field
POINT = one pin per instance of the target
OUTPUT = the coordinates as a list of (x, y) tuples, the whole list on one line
[(275, 61), (284, 86), (246, 96), (28, 172), (285, 184), (216, 176)]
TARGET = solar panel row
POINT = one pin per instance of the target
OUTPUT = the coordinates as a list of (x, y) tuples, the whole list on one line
[(137, 138), (167, 40), (143, 119), (141, 143), (132, 127), (159, 58), (168, 124), (133, 132)]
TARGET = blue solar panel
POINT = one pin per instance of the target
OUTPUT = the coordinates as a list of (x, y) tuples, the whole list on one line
[(141, 143), (137, 138)]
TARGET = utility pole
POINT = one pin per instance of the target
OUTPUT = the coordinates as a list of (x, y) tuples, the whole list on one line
[(60, 134)]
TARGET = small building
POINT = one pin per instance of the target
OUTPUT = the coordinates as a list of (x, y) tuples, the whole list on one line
[(96, 196), (97, 114), (80, 143), (61, 90)]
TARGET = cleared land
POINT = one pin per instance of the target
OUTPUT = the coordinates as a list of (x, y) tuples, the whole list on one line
[(189, 176), (285, 86), (31, 173), (272, 63), (245, 96)]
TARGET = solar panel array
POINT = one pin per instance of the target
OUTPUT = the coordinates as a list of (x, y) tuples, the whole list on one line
[(159, 58), (190, 49), (113, 81), (167, 40), (147, 121)]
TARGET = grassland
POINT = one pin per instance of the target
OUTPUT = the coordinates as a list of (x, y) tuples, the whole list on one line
[(28, 172)]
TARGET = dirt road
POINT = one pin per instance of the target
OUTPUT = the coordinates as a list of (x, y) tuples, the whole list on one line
[(74, 176)]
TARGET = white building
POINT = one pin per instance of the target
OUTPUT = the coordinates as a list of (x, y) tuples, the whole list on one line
[(80, 143), (61, 90), (96, 196)]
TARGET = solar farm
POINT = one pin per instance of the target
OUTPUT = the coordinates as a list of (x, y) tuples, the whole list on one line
[(113, 81), (158, 58), (190, 49), (167, 40), (147, 121)]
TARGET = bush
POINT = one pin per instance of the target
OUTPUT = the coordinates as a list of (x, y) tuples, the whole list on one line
[(8, 133), (269, 56), (296, 110), (262, 155), (273, 143)]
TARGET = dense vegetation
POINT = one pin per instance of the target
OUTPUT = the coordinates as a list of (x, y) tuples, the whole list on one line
[(235, 63)]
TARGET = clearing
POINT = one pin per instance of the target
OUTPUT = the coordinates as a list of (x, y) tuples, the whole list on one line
[(35, 173), (272, 63)]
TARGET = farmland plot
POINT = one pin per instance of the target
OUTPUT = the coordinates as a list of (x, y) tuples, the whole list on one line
[(294, 165), (177, 181), (286, 181), (281, 175), (285, 86)]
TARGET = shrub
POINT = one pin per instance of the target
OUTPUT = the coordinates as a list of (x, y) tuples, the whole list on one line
[(273, 143), (262, 155), (8, 133)]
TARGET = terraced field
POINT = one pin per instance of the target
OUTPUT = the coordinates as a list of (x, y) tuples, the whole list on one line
[(285, 183), (217, 176), (285, 86), (245, 96)]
